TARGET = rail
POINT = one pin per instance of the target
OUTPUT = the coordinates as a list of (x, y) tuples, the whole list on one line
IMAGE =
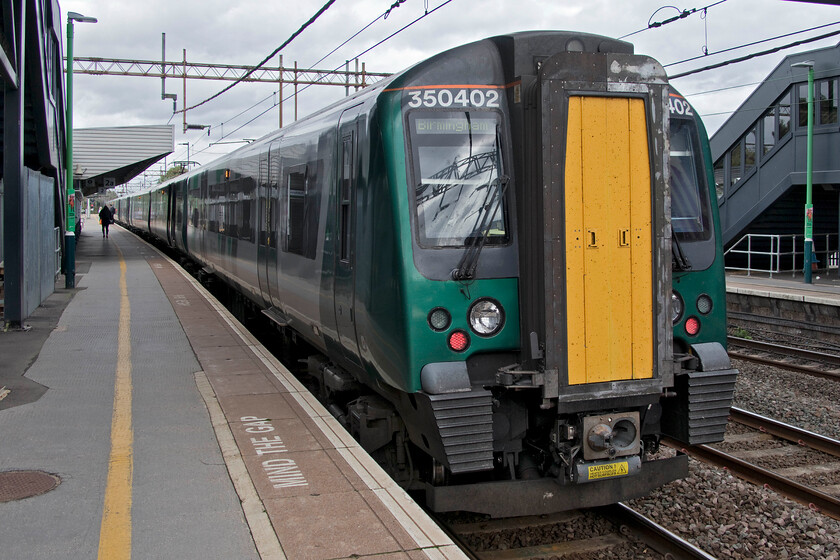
[(777, 254), (811, 497), (656, 536), (627, 522), (785, 431), (786, 351), (803, 353)]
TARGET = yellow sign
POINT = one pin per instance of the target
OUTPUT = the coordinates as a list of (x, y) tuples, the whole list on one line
[(608, 470)]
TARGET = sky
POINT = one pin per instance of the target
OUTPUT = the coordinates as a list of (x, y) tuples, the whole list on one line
[(244, 32)]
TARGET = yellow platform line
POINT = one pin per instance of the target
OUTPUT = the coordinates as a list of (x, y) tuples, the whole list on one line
[(115, 532)]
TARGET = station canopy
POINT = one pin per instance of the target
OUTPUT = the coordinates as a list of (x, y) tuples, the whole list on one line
[(104, 158)]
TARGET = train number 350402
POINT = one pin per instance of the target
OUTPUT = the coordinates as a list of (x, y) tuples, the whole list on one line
[(453, 98)]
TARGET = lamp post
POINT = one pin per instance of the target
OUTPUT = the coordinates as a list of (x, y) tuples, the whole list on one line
[(70, 234), (809, 170), (187, 144)]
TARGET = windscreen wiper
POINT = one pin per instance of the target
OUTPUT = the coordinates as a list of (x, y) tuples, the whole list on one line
[(469, 260), (679, 261)]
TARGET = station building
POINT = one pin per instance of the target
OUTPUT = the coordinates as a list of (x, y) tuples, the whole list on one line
[(760, 160), (33, 151), (32, 175)]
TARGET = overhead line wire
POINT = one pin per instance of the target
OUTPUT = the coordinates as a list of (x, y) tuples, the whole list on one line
[(754, 55), (389, 37), (752, 44), (683, 14), (383, 15), (356, 56), (711, 67), (749, 84), (428, 13), (294, 35)]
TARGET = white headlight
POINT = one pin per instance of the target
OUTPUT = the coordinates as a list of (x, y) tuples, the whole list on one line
[(676, 307), (486, 317)]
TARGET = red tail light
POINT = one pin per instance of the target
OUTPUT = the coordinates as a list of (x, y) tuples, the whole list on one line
[(459, 341), (692, 326)]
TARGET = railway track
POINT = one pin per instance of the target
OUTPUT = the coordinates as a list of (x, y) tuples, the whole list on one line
[(616, 530), (819, 364), (741, 463)]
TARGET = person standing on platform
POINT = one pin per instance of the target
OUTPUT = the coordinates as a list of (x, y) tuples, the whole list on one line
[(105, 219)]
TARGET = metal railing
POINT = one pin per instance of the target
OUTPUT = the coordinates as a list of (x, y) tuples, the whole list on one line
[(57, 251), (776, 254)]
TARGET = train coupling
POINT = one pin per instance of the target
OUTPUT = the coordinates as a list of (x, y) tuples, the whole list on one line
[(611, 435)]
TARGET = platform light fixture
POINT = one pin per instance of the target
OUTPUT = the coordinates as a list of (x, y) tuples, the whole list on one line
[(187, 144), (809, 171), (70, 233)]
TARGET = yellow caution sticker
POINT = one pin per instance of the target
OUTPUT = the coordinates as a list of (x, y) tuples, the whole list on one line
[(608, 470)]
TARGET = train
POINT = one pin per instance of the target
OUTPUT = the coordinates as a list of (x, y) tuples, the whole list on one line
[(501, 267)]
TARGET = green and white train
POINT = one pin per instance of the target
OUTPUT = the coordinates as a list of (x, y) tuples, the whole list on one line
[(503, 265)]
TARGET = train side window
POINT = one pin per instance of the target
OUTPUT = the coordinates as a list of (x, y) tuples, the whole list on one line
[(274, 209), (296, 214), (233, 219), (242, 202), (246, 232), (204, 195), (178, 204), (346, 187), (264, 196)]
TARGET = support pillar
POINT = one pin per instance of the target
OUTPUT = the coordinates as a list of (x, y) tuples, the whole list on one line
[(13, 183)]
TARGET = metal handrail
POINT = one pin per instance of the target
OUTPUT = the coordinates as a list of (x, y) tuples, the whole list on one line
[(57, 251), (776, 251)]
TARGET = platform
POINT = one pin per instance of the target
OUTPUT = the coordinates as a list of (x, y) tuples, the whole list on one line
[(175, 434), (785, 305), (823, 290)]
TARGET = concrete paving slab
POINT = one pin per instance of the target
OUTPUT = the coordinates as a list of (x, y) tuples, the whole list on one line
[(183, 502)]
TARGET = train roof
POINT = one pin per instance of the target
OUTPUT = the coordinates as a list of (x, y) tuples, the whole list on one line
[(493, 60)]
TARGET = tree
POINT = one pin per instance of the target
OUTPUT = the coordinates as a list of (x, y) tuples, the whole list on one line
[(173, 171)]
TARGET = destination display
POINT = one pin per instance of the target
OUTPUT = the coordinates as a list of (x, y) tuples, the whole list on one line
[(455, 126)]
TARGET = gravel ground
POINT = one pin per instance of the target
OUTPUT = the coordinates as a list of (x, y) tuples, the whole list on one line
[(723, 515), (587, 525), (802, 400), (580, 526), (734, 519)]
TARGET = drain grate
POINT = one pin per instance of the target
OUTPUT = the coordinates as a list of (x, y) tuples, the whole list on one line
[(17, 485)]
